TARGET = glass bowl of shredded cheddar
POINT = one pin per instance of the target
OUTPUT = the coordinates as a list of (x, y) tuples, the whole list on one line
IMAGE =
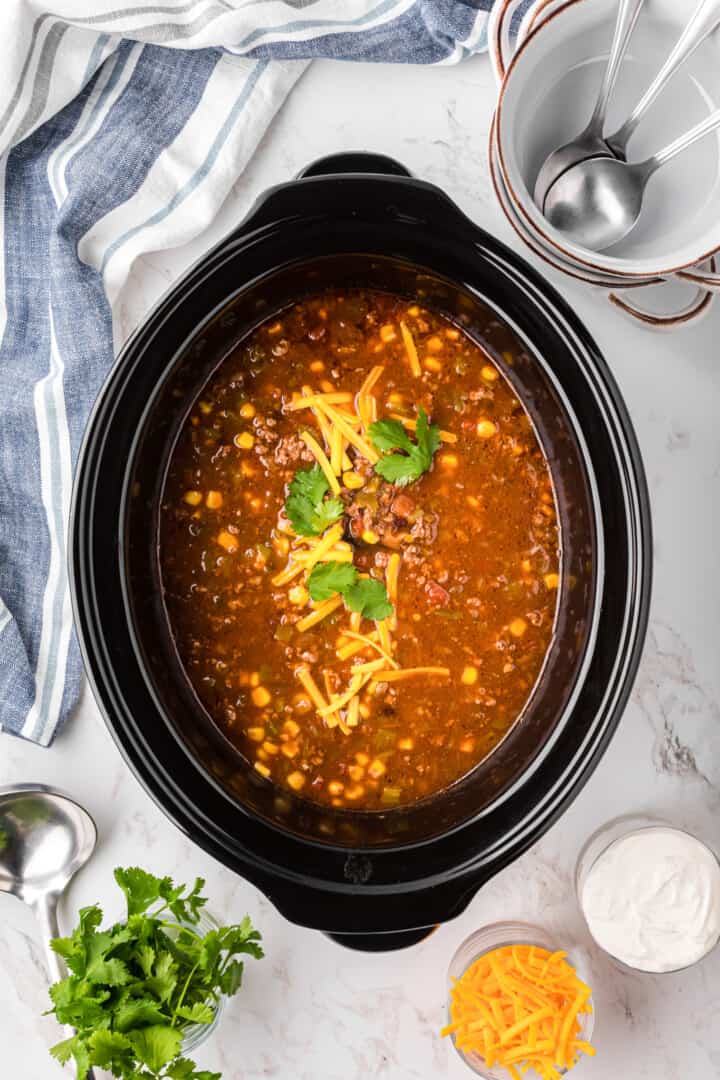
[(518, 1008)]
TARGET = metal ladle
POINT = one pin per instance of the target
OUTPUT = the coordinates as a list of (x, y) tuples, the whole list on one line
[(705, 19), (45, 838), (598, 202), (590, 141)]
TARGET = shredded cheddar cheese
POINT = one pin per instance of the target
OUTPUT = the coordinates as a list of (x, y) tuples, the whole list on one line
[(321, 611), (409, 673), (341, 397), (342, 421), (311, 687), (410, 349), (372, 377), (520, 1005), (320, 456)]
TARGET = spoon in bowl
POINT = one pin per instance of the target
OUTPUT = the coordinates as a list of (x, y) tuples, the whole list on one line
[(590, 141), (598, 202), (45, 838)]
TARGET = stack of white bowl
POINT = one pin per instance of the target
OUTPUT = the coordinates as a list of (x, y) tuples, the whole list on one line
[(548, 76)]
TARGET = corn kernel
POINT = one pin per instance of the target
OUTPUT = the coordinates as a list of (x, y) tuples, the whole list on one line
[(247, 410), (395, 398), (518, 627), (262, 769), (452, 334), (387, 333), (473, 501), (298, 595), (327, 386), (213, 500), (296, 780), (489, 373), (192, 498), (352, 480), (335, 787), (270, 748), (227, 541), (376, 769), (469, 675), (526, 566), (449, 461), (431, 364), (361, 758), (370, 536), (434, 344), (275, 329), (261, 697), (467, 745), (254, 678), (257, 734), (302, 704), (244, 441), (290, 749), (205, 408), (552, 581), (364, 710), (317, 366), (414, 311), (355, 791), (486, 429), (291, 728), (356, 772), (406, 744)]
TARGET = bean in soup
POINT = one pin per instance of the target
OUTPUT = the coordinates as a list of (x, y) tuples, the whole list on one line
[(360, 551)]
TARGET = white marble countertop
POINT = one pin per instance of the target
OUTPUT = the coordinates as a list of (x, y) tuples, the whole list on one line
[(312, 1010)]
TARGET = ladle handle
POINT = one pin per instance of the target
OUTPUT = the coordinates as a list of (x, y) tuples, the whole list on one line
[(45, 910), (627, 15), (705, 127), (705, 19)]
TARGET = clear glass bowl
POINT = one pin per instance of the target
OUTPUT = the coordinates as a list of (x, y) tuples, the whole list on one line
[(196, 1034), (598, 844), (496, 936)]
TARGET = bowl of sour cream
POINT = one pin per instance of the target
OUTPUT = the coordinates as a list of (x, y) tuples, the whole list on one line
[(650, 894)]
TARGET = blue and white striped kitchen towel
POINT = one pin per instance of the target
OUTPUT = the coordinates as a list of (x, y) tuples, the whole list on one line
[(122, 128)]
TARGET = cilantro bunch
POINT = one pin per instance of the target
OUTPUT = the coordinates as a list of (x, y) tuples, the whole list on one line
[(133, 987), (307, 509), (414, 458), (366, 595)]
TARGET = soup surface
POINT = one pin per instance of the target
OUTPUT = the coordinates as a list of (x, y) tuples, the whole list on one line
[(359, 551)]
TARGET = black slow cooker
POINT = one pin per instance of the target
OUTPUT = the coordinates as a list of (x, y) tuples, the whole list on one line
[(373, 879)]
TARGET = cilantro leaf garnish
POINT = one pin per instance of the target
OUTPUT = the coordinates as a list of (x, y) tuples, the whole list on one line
[(366, 595), (134, 987), (306, 507), (403, 460), (329, 578), (369, 597)]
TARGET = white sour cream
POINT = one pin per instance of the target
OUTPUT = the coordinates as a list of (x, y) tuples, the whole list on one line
[(652, 899)]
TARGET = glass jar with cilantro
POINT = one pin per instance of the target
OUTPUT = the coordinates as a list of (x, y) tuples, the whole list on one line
[(147, 990)]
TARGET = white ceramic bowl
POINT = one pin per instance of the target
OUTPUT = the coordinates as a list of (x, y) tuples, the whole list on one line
[(547, 96), (664, 305)]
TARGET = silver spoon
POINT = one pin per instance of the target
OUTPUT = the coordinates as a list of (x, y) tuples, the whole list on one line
[(45, 838), (705, 19), (590, 141), (597, 202)]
